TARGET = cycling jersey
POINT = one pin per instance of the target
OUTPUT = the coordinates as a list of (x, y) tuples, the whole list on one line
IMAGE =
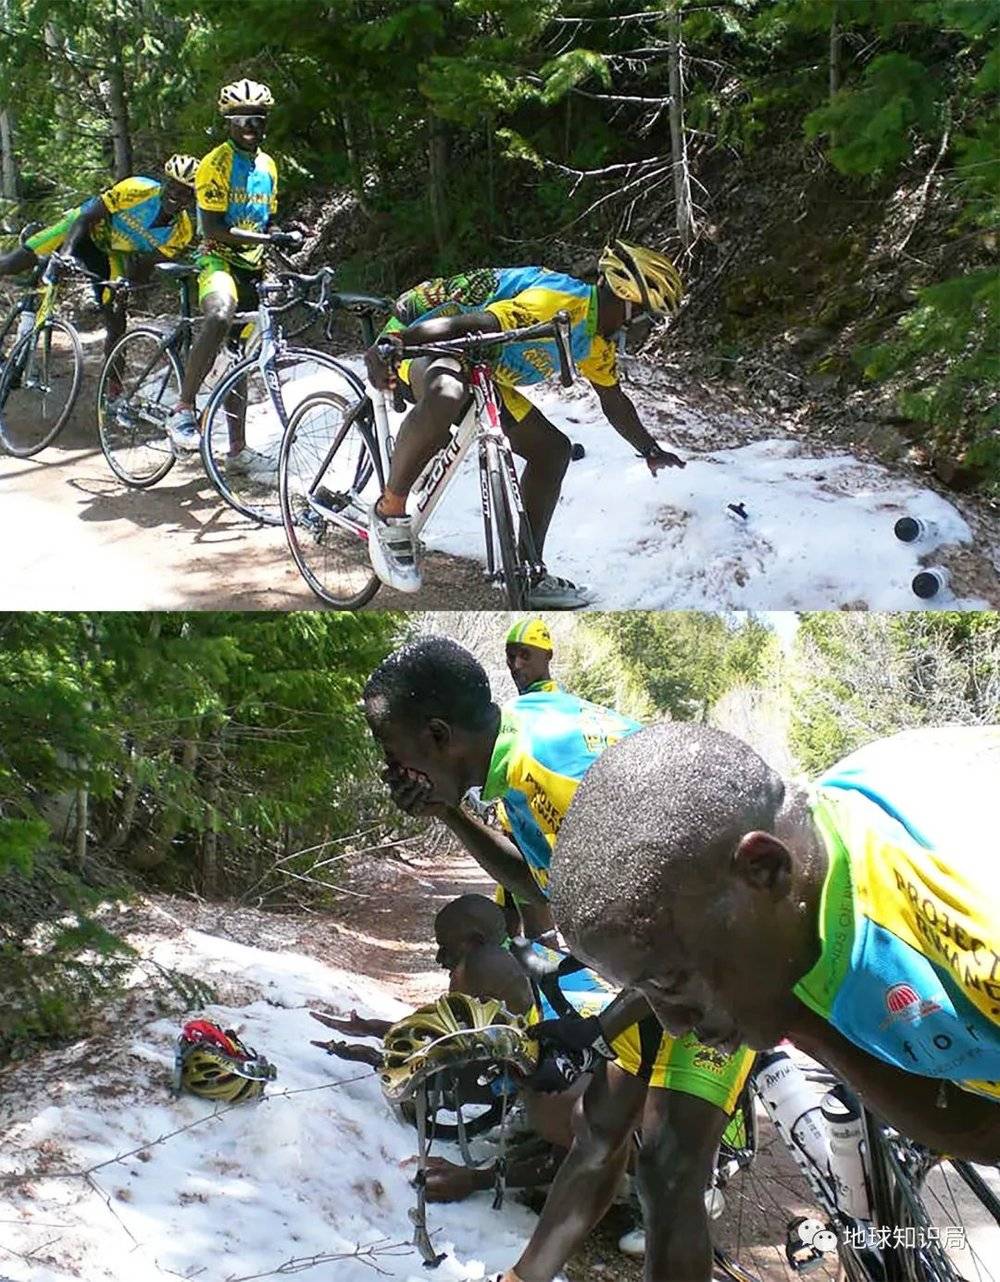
[(545, 686), (133, 206), (517, 296), (909, 967), (242, 187), (546, 744)]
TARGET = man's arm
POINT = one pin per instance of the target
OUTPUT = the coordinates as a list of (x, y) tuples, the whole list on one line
[(436, 330), (93, 213), (496, 854), (928, 1110), (215, 228), (622, 415)]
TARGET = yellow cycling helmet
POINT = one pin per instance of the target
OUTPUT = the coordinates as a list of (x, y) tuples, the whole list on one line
[(642, 276), (245, 96), (453, 1031), (181, 168), (215, 1064)]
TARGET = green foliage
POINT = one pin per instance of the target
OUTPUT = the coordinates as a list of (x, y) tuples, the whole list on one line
[(648, 664), (860, 677), (874, 124)]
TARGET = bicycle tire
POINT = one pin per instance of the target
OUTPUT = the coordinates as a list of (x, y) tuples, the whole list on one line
[(904, 1177), (21, 416), (9, 324), (131, 425), (327, 446), (515, 579), (254, 493)]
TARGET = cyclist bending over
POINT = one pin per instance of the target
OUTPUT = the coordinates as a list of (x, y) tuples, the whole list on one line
[(633, 283), (237, 193), (120, 233), (860, 918)]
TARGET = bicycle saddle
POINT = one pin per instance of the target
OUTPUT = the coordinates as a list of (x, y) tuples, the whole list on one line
[(178, 270), (360, 302)]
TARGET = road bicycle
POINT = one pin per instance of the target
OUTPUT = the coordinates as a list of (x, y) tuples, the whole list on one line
[(42, 369), (246, 407), (335, 457), (889, 1210)]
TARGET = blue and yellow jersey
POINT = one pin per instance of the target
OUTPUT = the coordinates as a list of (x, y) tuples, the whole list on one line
[(133, 206), (909, 967), (546, 744), (245, 189), (540, 294), (517, 296)]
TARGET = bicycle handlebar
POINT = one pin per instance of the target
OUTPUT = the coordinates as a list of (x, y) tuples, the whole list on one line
[(557, 328)]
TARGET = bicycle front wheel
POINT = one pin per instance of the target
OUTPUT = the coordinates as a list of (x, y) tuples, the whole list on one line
[(944, 1214), (504, 533), (138, 389), (329, 475), (245, 420), (39, 384)]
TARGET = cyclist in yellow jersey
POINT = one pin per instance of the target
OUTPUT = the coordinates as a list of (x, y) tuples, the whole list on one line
[(119, 234), (430, 708), (866, 909), (237, 194), (633, 283)]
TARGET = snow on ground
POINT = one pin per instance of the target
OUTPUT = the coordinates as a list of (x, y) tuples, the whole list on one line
[(316, 1169), (818, 532)]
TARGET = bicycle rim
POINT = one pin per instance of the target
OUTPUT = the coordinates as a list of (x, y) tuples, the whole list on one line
[(241, 416), (948, 1213), (138, 388), (515, 576), (39, 385), (329, 468)]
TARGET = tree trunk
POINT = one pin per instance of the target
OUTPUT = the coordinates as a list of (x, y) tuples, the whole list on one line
[(835, 38), (121, 134), (130, 800), (8, 161), (678, 137), (82, 811), (210, 837), (65, 97), (437, 175)]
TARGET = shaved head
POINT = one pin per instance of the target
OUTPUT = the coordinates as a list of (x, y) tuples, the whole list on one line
[(655, 814)]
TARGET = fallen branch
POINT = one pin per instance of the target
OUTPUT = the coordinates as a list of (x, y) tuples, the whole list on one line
[(370, 1254)]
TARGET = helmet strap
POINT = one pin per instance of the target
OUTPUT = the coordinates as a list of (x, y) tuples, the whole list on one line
[(418, 1213), (500, 1167)]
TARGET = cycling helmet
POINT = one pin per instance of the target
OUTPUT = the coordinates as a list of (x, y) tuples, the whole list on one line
[(531, 632), (245, 96), (642, 276), (216, 1065), (453, 1031), (181, 168)]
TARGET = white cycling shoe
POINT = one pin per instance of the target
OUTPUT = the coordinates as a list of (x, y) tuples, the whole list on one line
[(392, 553), (553, 593), (634, 1241), (248, 461)]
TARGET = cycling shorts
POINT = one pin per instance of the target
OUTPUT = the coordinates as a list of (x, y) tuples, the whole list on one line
[(515, 402), (217, 276), (109, 264), (683, 1063)]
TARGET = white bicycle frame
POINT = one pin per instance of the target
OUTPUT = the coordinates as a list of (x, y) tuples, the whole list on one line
[(481, 422)]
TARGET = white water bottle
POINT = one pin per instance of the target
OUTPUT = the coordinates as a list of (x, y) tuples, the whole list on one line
[(913, 529), (930, 582), (794, 1107), (845, 1128), (25, 325)]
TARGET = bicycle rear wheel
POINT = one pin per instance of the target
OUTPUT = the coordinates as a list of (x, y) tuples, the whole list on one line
[(242, 428), (516, 575), (39, 384), (138, 388), (329, 475)]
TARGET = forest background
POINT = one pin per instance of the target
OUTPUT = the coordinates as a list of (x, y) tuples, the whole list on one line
[(825, 171), (225, 757)]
